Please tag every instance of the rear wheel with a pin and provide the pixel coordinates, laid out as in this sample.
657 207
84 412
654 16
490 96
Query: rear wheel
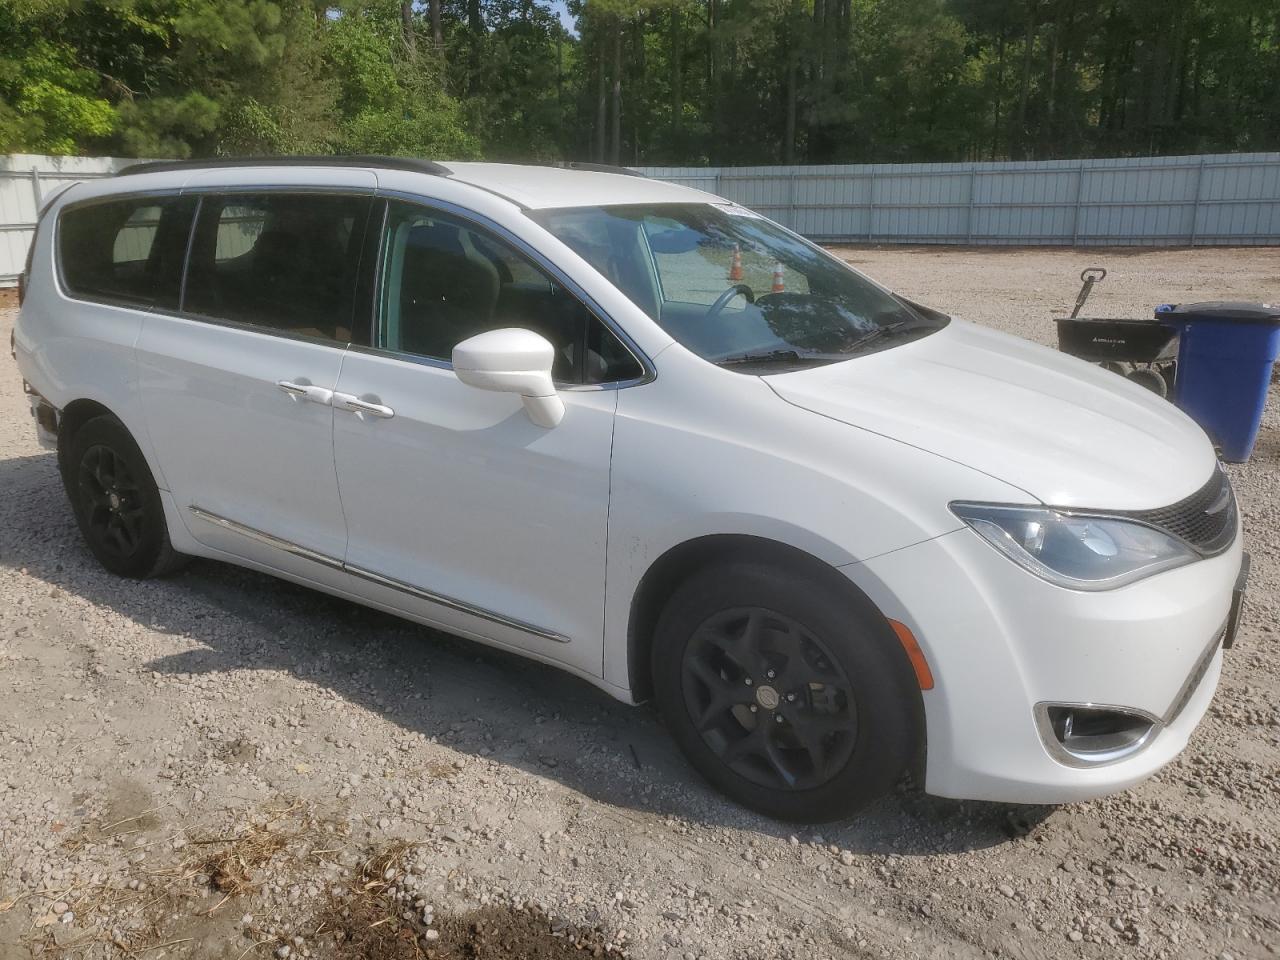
116 502
790 696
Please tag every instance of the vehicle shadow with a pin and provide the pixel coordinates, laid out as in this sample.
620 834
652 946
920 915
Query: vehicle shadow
472 698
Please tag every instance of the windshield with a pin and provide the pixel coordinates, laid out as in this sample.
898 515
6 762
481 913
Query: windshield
735 288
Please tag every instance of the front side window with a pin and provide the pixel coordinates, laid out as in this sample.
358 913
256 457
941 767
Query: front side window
444 280
734 288
288 263
126 251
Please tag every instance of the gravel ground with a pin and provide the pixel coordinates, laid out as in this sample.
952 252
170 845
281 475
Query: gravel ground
223 765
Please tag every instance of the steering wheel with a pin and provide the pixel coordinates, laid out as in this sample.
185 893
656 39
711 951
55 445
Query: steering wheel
722 301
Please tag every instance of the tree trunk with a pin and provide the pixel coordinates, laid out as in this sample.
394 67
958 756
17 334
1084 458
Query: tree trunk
615 150
794 37
1025 94
713 79
437 34
1176 73
995 120
475 19
1048 131
677 83
789 134
602 100
559 76
406 26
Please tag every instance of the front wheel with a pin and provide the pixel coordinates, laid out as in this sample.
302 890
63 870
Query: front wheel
790 695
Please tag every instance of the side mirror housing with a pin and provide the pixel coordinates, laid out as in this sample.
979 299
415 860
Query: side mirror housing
512 360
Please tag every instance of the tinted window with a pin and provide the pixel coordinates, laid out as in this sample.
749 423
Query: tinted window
126 251
444 281
286 262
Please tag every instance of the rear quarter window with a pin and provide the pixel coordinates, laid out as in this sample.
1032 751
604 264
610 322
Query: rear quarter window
128 251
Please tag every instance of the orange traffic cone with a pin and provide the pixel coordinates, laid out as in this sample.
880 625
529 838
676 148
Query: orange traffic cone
778 285
735 268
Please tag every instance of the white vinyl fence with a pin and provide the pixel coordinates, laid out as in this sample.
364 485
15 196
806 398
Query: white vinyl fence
25 181
1145 201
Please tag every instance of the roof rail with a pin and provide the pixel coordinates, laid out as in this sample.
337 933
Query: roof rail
387 163
598 168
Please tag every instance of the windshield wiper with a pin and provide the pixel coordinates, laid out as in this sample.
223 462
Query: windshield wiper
874 335
782 356
773 356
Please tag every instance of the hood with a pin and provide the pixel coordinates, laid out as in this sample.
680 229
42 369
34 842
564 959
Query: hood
1067 432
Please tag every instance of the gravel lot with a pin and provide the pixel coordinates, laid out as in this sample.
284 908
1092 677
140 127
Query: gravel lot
224 765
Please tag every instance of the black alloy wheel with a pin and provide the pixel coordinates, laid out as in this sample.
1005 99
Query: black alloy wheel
110 494
769 699
785 687
116 501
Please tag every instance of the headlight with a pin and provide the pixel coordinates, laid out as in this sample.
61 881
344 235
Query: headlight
1079 551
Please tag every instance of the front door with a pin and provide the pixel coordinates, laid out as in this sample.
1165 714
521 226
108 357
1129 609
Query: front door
236 386
461 510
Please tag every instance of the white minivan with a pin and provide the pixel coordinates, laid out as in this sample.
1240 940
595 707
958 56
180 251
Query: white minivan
648 436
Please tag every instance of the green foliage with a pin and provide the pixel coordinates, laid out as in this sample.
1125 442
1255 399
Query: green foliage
50 103
656 81
391 101
166 126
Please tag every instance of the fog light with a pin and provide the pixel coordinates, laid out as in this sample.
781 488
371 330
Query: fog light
1090 735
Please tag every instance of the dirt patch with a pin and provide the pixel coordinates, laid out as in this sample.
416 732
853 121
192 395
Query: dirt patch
373 911
364 932
130 809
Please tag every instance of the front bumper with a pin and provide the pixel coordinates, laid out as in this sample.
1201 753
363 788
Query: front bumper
1000 642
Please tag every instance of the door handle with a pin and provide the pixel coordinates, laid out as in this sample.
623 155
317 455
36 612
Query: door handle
345 401
303 390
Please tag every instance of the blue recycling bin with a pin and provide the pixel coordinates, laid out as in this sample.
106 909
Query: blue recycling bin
1225 354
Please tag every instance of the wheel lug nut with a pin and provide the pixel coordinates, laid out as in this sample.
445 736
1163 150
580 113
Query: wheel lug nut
748 681
754 708
771 674
777 718
791 698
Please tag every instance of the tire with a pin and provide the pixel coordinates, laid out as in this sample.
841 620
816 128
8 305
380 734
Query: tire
116 502
847 698
1152 379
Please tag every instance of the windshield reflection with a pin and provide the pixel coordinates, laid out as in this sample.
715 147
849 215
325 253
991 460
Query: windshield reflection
735 288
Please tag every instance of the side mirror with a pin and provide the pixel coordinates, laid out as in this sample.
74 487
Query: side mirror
512 360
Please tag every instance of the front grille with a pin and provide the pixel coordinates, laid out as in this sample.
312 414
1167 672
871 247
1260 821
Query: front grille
1206 519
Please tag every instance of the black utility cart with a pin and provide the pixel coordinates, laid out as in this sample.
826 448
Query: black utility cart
1145 351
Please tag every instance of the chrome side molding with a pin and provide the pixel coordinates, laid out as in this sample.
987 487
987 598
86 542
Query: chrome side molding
265 538
441 600
370 576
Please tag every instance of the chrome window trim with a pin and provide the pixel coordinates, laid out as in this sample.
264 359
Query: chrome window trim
55 249
559 275
199 192
239 189
333 563
400 355
438 364
340 345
